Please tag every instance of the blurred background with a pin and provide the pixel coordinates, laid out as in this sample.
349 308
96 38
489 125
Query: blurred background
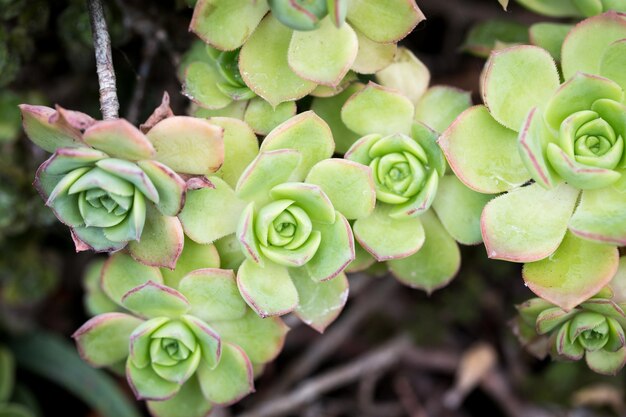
467 361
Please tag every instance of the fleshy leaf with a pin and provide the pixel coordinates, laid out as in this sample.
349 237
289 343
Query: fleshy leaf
517 79
576 271
606 363
418 270
335 252
231 380
170 187
221 218
194 256
103 340
268 170
406 74
121 273
161 240
246 236
384 21
555 8
45 133
509 234
213 294
308 49
320 302
267 289
188 145
309 197
613 63
534 138
94 238
577 174
120 139
483 153
155 300
226 24
388 238
585 45
188 402
147 385
264 67
261 339
600 216
549 36
201 86
263 118
372 56
308 134
459 209
240 148
209 341
440 105
349 186
378 110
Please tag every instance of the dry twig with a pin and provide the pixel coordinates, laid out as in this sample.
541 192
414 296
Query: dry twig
109 104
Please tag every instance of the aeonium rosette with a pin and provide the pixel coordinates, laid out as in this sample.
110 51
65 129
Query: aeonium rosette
115 186
313 43
569 140
408 169
595 329
185 337
287 218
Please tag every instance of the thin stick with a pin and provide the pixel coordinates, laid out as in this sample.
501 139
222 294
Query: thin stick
109 105
377 360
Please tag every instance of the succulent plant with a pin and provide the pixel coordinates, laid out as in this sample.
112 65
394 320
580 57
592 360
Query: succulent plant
394 131
299 35
573 8
211 79
557 150
116 186
283 218
593 330
186 337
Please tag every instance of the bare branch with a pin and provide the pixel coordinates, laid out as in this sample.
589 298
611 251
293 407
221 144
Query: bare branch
109 104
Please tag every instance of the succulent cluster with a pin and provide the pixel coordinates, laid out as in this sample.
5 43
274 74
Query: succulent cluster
213 235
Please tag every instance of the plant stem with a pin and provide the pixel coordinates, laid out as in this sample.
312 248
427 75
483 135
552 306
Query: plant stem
109 104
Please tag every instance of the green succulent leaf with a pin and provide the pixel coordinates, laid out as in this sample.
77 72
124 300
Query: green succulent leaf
188 402
48 130
517 79
226 24
320 303
268 289
121 273
169 186
418 270
188 145
375 109
459 209
550 318
482 153
309 197
488 35
613 62
606 363
103 340
567 347
371 56
213 294
576 271
308 48
148 385
440 105
263 117
306 133
201 85
226 208
261 339
335 252
389 238
194 256
154 300
549 36
264 67
585 45
348 185
384 21
510 236
230 380
119 139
